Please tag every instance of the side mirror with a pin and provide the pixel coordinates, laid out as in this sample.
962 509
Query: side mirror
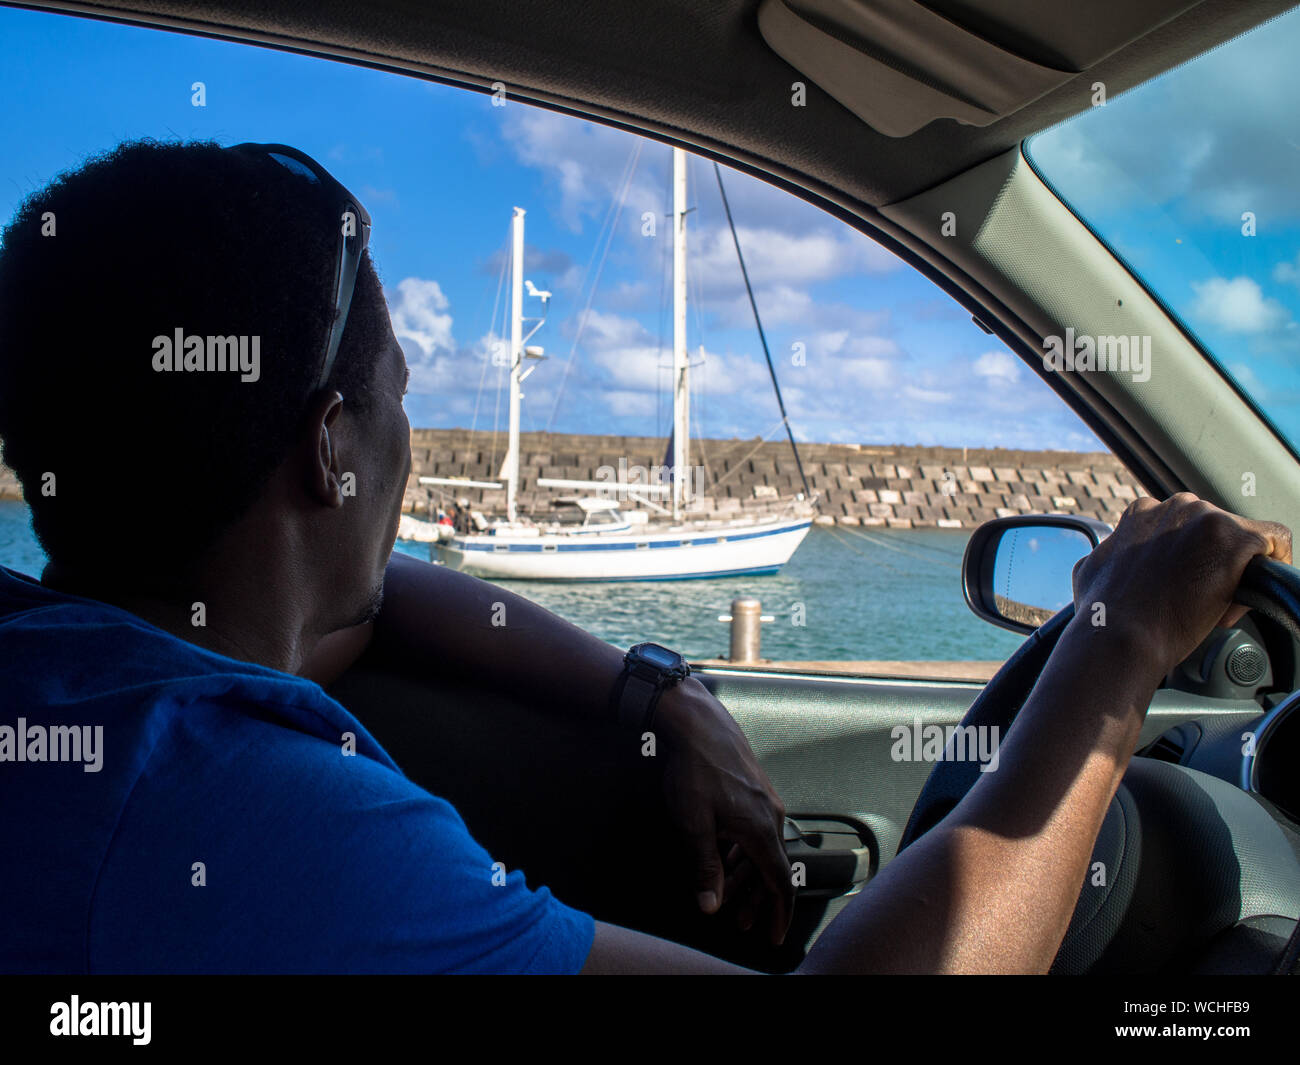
1017 571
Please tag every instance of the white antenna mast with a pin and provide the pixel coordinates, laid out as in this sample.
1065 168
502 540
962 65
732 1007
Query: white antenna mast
681 358
518 354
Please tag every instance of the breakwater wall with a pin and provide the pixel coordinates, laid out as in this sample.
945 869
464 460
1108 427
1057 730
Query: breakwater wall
882 485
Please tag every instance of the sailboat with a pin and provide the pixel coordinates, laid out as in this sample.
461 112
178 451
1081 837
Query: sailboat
603 543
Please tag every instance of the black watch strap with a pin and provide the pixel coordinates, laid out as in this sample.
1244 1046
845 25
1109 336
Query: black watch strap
648 669
637 697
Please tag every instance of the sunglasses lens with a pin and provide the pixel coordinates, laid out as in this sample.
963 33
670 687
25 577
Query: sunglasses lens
296 166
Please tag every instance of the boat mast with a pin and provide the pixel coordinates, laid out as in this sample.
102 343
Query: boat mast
681 359
510 467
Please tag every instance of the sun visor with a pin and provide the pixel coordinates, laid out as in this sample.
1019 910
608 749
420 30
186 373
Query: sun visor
899 64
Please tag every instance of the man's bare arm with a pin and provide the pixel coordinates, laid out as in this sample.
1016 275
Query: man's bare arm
992 887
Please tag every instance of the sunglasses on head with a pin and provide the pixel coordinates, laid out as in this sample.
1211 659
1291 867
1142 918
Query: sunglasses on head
353 237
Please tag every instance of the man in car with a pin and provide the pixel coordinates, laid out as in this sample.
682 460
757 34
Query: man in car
231 536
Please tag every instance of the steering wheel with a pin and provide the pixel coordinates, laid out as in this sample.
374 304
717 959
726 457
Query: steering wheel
1197 833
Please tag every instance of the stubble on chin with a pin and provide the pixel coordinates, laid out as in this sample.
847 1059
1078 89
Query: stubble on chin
370 611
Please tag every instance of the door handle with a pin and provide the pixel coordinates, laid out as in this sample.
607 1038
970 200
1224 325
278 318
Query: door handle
835 858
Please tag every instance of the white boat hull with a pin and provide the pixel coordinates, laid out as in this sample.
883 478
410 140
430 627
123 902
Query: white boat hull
674 553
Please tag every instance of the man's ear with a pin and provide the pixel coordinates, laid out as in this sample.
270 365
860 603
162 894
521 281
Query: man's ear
325 472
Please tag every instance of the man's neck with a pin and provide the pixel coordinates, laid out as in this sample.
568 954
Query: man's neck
246 612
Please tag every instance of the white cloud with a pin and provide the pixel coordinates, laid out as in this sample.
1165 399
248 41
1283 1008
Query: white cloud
585 161
1288 273
419 313
604 330
868 374
997 366
926 395
776 256
730 374
778 305
625 404
422 323
632 367
1236 306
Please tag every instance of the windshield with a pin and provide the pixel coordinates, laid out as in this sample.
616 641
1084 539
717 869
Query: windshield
1194 180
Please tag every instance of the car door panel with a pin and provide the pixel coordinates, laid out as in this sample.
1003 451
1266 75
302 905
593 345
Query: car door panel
577 807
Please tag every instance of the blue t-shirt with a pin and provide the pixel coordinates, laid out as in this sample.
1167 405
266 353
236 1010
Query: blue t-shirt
167 809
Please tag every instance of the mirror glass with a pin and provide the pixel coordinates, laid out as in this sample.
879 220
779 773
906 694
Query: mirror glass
1032 571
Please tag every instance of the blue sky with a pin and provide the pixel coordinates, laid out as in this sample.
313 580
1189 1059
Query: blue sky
1167 173
889 358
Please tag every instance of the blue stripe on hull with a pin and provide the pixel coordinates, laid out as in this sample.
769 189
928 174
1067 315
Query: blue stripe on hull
757 571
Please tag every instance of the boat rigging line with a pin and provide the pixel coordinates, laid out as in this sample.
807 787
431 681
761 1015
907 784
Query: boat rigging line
487 359
752 451
945 552
839 535
894 547
785 418
608 228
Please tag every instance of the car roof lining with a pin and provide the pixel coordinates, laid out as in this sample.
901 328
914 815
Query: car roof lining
703 74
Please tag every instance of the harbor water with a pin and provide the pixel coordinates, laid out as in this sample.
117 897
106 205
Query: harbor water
847 594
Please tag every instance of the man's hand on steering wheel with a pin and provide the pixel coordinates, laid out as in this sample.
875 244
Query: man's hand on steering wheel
1167 575
720 798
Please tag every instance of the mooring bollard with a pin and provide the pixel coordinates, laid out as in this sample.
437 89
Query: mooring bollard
746 619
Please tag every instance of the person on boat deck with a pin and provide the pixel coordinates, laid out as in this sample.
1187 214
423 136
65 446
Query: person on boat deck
238 819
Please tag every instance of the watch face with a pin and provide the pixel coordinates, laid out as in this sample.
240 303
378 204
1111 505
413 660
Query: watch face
660 657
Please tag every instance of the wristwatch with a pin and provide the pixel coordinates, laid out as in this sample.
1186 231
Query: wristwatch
648 671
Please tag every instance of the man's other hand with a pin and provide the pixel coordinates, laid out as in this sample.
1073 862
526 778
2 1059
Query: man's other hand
719 796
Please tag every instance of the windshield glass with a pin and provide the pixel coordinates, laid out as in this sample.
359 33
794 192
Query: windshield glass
1194 180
